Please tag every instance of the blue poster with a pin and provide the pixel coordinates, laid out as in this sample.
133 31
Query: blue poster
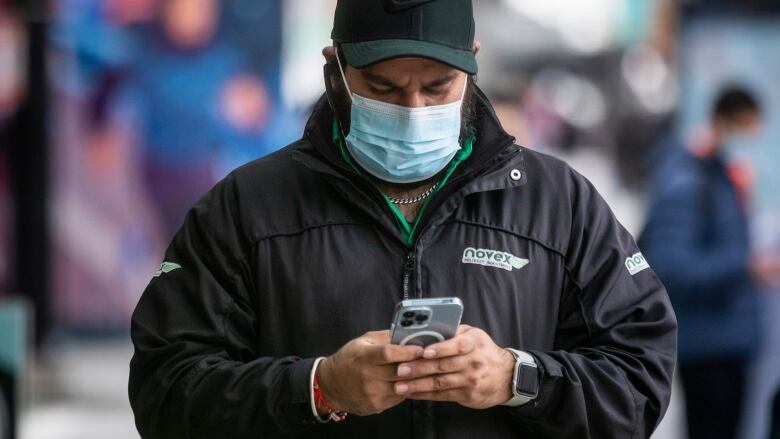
154 102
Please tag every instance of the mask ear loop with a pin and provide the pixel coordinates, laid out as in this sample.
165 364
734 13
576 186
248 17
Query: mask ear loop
344 77
344 80
465 87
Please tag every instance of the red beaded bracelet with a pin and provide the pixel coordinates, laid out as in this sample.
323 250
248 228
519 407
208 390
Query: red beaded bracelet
321 402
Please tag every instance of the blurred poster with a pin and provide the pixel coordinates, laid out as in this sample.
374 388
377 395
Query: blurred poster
155 101
720 52
744 51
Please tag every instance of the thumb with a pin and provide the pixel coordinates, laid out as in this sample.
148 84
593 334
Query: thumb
377 337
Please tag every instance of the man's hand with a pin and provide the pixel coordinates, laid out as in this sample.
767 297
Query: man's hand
469 369
359 377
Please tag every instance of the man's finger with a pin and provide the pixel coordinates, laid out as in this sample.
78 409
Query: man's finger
421 368
463 328
455 395
377 337
434 383
387 373
459 345
391 354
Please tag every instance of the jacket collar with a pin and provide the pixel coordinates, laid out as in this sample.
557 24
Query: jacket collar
494 160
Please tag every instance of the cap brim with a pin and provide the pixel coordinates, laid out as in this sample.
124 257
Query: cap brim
363 54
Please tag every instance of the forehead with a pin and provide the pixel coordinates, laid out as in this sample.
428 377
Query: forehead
422 68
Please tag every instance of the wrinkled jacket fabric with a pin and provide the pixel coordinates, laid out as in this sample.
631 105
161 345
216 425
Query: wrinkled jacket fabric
295 254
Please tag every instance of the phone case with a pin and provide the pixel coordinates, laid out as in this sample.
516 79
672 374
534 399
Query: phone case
423 322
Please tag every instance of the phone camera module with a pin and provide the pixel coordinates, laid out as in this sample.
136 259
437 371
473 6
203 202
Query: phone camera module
408 314
421 318
406 323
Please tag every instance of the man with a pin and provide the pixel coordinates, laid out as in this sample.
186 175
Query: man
697 239
253 326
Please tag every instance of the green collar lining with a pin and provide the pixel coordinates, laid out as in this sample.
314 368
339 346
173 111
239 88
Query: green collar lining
409 231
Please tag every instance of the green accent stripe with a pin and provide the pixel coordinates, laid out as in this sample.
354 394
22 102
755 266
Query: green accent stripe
409 232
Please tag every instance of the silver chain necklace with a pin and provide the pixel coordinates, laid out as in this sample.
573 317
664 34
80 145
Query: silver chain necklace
415 200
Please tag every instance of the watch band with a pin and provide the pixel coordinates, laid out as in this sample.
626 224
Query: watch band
522 360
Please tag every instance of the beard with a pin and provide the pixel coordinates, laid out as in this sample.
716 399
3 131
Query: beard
341 104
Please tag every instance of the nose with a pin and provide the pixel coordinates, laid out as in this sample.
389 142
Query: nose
413 99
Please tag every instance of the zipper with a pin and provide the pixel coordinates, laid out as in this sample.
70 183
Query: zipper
406 284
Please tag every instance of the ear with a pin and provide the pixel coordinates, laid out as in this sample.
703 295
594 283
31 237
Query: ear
329 53
476 47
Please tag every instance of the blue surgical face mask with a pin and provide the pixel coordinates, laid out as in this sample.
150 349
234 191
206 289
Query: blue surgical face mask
400 144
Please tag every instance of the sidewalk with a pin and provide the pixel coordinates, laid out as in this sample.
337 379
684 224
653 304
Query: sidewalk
79 391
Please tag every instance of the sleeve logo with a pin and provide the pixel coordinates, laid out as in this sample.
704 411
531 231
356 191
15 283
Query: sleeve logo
636 263
166 267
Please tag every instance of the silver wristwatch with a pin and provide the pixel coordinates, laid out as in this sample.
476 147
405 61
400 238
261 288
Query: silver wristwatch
525 380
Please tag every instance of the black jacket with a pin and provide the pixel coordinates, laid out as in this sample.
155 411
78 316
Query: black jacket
293 255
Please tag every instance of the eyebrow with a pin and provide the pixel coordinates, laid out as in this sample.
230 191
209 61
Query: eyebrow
381 80
443 80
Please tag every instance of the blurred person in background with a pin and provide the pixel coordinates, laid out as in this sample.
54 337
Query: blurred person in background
153 101
197 102
698 241
251 327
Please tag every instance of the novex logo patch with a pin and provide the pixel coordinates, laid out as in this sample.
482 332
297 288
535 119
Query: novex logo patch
493 258
636 263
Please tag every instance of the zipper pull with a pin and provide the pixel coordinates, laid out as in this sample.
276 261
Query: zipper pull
406 285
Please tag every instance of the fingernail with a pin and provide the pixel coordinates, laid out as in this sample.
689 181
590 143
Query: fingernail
404 370
429 353
401 388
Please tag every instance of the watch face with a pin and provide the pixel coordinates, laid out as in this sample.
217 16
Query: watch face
527 380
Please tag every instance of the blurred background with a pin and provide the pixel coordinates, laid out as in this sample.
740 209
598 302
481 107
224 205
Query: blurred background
116 115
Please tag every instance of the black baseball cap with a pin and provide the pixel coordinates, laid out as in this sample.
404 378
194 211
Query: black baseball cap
370 31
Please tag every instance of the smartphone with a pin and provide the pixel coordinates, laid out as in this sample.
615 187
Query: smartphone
423 322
